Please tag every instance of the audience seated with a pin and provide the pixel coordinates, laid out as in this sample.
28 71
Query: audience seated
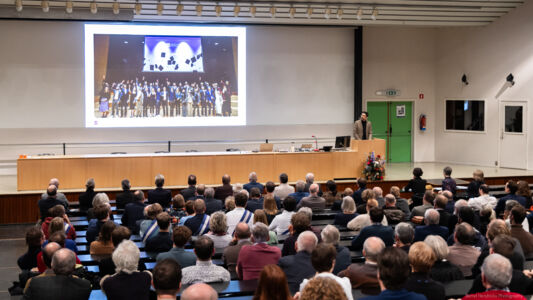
59 196
239 214
404 235
348 212
298 267
86 198
270 187
189 212
122 199
323 260
525 191
322 288
466 214
432 227
148 227
49 201
180 237
385 233
160 242
496 274
463 253
393 214
365 196
331 235
225 190
509 205
45 258
106 265
58 211
280 223
166 279
362 221
442 270
417 214
357 195
300 192
483 200
255 201
417 186
421 259
300 222
378 195
231 253
212 205
517 216
34 239
441 201
134 212
57 226
270 208
200 192
309 180
219 230
254 257
101 213
199 224
272 284
59 238
473 187
103 245
160 195
189 193
260 216
177 208
284 189
313 201
61 285
510 188
401 203
365 276
253 183
333 198
199 291
127 282
204 270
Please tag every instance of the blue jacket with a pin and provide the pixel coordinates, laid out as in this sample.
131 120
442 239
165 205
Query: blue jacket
385 233
500 207
396 295
421 232
253 184
299 196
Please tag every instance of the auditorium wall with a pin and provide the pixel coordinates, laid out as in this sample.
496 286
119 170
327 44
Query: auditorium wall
299 83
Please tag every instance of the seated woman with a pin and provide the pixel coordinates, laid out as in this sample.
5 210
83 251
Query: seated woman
229 204
347 214
260 216
34 239
56 237
57 225
127 282
272 285
417 186
270 207
177 209
421 259
442 270
218 230
333 198
103 245
106 265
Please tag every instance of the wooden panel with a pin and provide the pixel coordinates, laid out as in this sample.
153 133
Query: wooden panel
110 171
34 174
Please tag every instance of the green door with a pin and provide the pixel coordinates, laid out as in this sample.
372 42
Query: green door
391 121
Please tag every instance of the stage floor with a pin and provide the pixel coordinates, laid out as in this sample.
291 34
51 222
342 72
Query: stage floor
394 171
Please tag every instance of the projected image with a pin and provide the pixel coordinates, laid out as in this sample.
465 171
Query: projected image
164 76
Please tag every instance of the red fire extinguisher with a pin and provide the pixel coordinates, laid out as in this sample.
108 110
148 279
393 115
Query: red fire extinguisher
422 122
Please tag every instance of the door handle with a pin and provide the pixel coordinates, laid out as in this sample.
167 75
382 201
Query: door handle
390 129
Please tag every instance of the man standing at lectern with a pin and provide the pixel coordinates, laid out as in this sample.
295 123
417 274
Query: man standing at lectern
362 128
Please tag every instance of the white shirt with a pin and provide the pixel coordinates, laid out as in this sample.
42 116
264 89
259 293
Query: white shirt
220 241
361 221
478 203
281 222
283 190
344 282
234 217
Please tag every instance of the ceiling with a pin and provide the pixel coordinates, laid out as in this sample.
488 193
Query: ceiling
438 13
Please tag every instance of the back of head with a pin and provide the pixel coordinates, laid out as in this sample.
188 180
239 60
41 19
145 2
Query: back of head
378 192
300 222
241 199
464 233
322 288
289 204
269 205
199 206
504 245
510 204
126 257
421 257
523 189
299 186
272 284
209 193
163 220
308 211
255 193
466 214
242 231
153 210
348 204
101 212
260 216
270 186
283 178
237 187
390 200
138 196
34 236
438 245
361 182
512 186
189 207
367 194
178 202
441 201
310 178
57 224
199 291
260 232
497 227
372 247
395 191
429 197
313 189
478 175
393 268
57 211
51 191
447 171
181 236
405 233
330 234
431 217
159 180
417 172
323 257
125 185
191 180
100 199
200 189
119 234
252 177
226 179
518 213
484 188
58 237
48 253
332 186
497 271
376 215
63 262
204 247
218 223
166 277
307 241
229 203
106 231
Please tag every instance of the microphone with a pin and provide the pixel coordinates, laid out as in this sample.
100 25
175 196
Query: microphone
316 142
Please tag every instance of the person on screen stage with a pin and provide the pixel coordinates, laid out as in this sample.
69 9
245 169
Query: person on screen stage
157 101
164 100
217 93
124 99
116 100
203 100
179 99
362 128
172 99
226 96
196 102
139 102
105 95
208 100
152 100
133 97
146 93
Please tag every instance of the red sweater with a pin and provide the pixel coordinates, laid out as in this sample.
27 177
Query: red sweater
494 295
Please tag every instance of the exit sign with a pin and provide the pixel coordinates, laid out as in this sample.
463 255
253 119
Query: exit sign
388 93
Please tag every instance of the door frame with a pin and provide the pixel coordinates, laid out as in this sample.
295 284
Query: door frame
500 128
413 118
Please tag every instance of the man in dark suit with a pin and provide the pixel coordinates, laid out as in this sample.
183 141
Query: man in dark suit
61 285
161 242
511 187
200 190
211 203
47 203
199 224
362 128
255 200
86 198
298 267
189 193
432 227
225 190
299 194
314 201
361 183
160 195
309 180
517 216
253 183
134 212
385 233
126 196
441 202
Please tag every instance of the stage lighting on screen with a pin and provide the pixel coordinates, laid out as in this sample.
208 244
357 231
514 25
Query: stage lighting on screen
159 76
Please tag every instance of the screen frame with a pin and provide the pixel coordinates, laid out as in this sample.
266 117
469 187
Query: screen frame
91 29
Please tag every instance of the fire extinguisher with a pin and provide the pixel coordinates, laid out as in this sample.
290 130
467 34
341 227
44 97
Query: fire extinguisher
422 122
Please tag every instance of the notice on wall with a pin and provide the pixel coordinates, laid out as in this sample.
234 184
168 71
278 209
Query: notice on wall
400 111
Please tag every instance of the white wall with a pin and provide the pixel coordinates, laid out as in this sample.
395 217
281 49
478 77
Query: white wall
486 55
299 82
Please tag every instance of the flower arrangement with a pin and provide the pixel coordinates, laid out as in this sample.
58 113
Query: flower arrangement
374 168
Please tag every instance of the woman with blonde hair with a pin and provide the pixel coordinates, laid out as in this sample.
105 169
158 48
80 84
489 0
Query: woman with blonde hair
473 186
218 228
260 216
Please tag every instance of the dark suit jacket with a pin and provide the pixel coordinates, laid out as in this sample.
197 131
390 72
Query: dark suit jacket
357 196
444 218
254 204
385 233
230 256
161 242
343 259
500 206
189 193
124 198
363 277
212 205
422 284
421 232
525 238
297 268
58 287
132 213
86 199
418 187
223 191
161 196
46 204
253 184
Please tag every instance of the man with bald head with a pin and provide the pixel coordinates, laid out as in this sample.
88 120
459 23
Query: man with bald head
298 267
62 285
49 201
313 201
365 276
199 291
60 196
241 237
462 253
432 227
225 190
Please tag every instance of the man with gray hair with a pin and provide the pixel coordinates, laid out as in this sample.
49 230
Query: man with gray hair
393 214
365 276
49 201
211 204
331 235
59 196
314 201
199 291
378 195
298 267
160 195
86 198
253 258
404 235
62 285
253 183
126 196
496 274
300 192
309 180
432 227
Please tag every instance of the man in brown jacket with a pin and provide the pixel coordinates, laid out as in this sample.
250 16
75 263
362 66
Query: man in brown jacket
362 128
517 216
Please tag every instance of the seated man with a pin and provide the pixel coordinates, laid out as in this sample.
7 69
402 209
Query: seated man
404 234
166 279
239 214
255 201
148 227
189 193
102 215
160 242
225 190
483 200
160 195
122 199
393 214
314 201
280 223
418 212
211 204
134 212
284 189
49 201
231 253
253 183
462 253
204 270
421 259
199 291
385 233
298 267
431 218
253 258
58 211
181 236
331 235
300 191
59 196
441 202
365 276
517 216
511 188
363 220
393 271
62 285
199 224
